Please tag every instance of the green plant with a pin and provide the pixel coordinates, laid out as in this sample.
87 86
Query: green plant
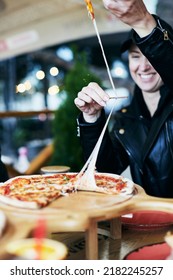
67 149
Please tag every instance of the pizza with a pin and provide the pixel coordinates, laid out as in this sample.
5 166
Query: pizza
37 191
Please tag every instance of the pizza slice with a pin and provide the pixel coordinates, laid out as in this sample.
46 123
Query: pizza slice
31 192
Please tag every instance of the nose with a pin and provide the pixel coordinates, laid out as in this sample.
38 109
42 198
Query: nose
144 64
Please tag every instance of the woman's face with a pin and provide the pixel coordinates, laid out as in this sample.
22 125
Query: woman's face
142 72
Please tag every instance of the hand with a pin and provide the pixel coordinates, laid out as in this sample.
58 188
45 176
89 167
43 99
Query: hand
134 13
90 100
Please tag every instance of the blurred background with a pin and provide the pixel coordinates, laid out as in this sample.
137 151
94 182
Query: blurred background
48 51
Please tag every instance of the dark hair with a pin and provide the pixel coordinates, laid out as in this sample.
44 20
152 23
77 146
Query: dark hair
127 43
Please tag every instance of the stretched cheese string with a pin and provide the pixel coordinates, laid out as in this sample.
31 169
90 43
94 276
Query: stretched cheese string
86 175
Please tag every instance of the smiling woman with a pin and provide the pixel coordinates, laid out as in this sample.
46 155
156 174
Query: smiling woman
21 70
152 95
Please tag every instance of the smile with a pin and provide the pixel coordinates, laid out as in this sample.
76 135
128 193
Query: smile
146 76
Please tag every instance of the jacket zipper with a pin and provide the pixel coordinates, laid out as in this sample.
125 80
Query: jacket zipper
165 32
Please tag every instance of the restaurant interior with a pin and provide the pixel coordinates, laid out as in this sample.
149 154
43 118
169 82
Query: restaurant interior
41 44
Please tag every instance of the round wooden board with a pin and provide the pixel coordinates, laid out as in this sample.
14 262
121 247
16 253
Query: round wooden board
75 204
91 203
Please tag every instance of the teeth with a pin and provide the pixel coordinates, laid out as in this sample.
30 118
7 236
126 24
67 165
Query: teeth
146 76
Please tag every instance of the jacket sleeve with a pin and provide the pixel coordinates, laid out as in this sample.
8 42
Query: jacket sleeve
112 158
158 48
3 173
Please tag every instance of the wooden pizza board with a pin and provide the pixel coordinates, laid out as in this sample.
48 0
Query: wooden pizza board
77 206
73 205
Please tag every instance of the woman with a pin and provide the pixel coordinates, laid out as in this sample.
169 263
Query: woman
142 135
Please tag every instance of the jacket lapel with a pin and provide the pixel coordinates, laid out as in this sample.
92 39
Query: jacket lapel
155 129
132 139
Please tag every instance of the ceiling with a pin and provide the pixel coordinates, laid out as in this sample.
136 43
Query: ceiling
28 25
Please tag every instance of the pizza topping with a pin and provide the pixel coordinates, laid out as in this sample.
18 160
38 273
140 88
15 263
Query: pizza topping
7 190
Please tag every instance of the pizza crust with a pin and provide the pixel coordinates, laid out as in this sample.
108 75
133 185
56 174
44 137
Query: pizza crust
18 203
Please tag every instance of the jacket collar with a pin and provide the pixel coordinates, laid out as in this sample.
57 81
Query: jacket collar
157 123
138 107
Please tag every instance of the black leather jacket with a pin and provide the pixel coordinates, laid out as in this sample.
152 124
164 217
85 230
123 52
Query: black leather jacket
137 140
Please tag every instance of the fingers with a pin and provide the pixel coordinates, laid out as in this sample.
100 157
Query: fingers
79 102
93 92
90 100
134 13
108 4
